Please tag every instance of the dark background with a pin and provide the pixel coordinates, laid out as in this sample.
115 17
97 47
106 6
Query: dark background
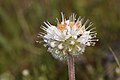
20 22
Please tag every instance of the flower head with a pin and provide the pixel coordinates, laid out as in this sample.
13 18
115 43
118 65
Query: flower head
68 36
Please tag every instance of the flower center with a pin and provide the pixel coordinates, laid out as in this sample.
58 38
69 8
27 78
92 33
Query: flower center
61 26
71 24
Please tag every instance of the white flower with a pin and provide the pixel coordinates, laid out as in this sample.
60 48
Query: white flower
68 36
25 72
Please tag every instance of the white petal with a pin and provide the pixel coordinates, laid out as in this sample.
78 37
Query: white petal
60 46
53 44
84 38
88 43
68 29
81 40
72 42
67 37
75 37
67 22
48 36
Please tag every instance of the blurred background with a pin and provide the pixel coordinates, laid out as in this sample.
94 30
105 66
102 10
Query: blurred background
21 58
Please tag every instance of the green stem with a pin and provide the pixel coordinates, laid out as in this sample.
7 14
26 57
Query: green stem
116 59
71 68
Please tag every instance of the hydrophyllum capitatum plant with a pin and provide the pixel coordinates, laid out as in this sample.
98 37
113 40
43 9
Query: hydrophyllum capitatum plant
68 39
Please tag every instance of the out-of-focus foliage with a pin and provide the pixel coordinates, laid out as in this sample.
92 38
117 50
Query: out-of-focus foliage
19 24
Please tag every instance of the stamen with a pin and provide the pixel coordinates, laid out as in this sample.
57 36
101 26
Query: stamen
49 23
73 17
78 48
45 45
57 21
77 22
78 19
93 36
86 22
93 43
62 17
92 32
94 40
92 29
39 42
45 40
81 21
41 35
46 24
43 28
70 18
89 26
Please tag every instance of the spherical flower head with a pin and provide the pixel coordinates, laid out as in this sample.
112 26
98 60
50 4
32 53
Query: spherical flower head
68 36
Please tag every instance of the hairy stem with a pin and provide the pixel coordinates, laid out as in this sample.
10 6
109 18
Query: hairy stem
71 68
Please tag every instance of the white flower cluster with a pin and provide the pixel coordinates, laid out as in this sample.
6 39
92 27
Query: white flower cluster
69 36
